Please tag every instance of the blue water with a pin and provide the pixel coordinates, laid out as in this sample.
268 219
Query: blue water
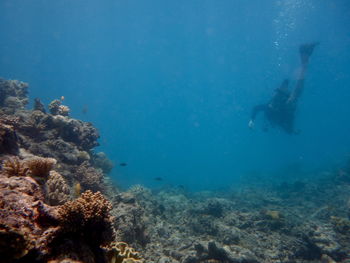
171 84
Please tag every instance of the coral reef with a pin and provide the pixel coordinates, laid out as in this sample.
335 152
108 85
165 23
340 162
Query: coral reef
45 216
8 137
13 95
22 216
40 167
39 106
13 166
89 177
56 189
100 160
120 252
32 231
56 108
88 216
38 222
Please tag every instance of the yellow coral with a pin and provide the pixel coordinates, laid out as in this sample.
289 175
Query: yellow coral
77 190
120 252
273 214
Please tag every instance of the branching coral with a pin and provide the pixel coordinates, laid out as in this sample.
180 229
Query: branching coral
88 216
56 108
13 166
57 190
40 167
89 177
120 252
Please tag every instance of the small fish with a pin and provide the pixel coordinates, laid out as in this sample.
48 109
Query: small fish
158 178
123 164
62 98
84 110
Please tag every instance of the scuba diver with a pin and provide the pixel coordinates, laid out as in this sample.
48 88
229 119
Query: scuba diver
280 110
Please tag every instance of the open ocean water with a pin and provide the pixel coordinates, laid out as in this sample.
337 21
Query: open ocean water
171 84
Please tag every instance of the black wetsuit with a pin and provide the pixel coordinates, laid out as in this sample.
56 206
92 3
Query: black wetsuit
280 111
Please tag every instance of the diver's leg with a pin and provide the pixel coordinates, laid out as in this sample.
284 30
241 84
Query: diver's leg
305 52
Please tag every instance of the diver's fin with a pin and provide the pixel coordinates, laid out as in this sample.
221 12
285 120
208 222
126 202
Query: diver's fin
306 50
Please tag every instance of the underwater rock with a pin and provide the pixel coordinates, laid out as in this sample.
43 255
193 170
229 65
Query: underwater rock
38 105
231 254
13 95
100 160
21 216
324 238
129 221
8 136
82 134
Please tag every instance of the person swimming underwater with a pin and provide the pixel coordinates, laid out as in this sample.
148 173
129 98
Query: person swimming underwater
280 110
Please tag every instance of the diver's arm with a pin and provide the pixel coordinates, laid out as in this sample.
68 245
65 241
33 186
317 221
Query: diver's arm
255 111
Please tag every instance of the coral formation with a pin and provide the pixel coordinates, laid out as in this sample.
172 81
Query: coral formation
56 189
89 177
20 227
8 137
13 95
100 160
40 167
302 221
88 216
120 252
38 105
13 166
56 108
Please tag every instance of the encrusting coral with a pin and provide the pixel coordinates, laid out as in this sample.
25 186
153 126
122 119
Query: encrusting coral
89 216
